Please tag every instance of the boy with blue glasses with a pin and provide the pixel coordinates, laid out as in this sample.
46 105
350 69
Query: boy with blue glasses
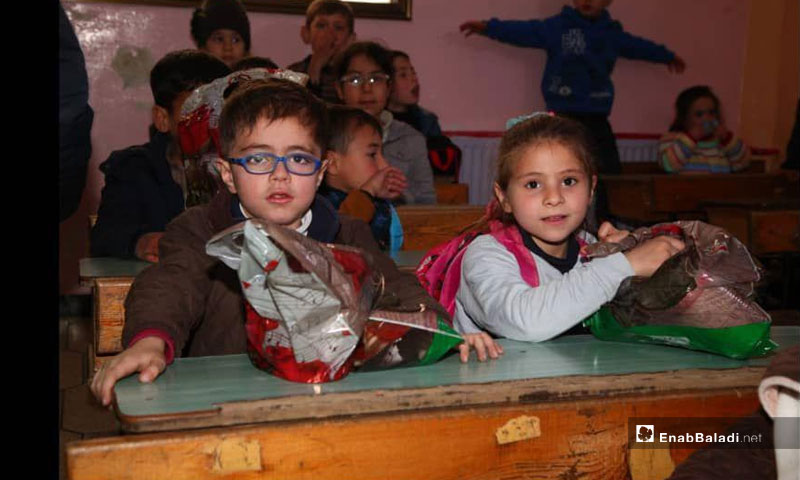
272 135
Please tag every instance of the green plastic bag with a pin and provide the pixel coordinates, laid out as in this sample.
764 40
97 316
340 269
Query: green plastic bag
701 299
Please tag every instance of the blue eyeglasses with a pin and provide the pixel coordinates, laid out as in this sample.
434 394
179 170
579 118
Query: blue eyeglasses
298 163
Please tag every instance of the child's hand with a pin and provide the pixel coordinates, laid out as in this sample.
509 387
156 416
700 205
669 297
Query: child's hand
609 233
677 65
389 183
147 246
647 257
482 343
145 356
472 26
323 49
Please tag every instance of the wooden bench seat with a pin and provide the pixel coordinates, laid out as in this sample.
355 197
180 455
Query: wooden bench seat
425 226
767 225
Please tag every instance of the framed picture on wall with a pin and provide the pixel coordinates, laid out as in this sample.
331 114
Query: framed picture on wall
387 9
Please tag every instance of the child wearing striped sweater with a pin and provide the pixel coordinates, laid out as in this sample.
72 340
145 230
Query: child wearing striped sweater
698 141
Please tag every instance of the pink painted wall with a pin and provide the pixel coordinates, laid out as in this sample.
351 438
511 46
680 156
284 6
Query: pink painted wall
473 83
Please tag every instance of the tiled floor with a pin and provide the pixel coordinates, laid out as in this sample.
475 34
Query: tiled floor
81 416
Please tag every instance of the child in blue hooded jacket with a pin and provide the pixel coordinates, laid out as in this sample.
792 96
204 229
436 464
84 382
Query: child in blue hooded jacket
582 45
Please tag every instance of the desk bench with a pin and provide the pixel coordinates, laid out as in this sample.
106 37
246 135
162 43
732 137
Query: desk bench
425 226
110 280
664 197
767 225
572 398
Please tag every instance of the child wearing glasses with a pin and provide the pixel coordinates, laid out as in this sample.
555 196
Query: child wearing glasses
359 181
272 134
365 70
145 184
698 141
329 28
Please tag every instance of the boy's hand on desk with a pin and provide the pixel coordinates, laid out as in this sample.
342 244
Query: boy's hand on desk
472 26
609 233
145 356
389 183
147 246
482 343
677 65
647 257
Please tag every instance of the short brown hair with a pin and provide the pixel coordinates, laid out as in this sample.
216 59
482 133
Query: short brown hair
271 99
330 7
344 121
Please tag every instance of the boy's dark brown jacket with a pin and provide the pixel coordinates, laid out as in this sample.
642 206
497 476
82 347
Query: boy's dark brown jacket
197 300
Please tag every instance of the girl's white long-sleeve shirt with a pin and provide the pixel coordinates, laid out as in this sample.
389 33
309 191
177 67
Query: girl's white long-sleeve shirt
493 296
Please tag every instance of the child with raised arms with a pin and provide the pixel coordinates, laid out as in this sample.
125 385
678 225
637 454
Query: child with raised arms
525 281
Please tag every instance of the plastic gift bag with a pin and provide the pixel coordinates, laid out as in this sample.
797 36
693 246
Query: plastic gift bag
309 315
701 298
198 128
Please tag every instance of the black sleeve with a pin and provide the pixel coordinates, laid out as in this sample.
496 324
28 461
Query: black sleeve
75 118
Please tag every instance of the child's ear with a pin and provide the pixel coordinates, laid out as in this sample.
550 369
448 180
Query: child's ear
332 160
322 169
225 173
305 34
161 119
594 188
502 199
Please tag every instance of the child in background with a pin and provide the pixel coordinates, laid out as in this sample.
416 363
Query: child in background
582 45
145 184
272 133
697 141
359 181
329 29
404 105
254 62
525 280
221 28
364 71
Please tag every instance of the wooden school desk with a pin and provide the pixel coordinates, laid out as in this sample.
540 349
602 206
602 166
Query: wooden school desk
425 226
663 197
566 402
764 225
111 278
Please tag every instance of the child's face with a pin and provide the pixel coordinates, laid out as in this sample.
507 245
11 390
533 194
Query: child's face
368 96
330 31
362 160
279 197
702 114
548 194
405 85
227 45
591 8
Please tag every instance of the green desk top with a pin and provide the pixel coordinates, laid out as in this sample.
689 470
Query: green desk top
101 267
106 267
202 383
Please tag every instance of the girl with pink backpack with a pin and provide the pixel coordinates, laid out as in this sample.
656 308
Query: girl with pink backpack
519 273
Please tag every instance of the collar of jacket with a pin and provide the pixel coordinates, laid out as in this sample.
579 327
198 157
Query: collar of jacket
575 17
224 211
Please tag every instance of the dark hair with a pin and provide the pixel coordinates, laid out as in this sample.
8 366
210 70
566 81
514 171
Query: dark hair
684 103
538 130
271 99
330 7
183 71
394 54
254 62
218 14
374 51
344 121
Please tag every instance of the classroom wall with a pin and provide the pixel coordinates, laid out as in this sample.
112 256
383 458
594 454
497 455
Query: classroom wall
472 83
771 75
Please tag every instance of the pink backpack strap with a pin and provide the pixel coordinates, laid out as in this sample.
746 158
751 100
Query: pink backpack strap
509 237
